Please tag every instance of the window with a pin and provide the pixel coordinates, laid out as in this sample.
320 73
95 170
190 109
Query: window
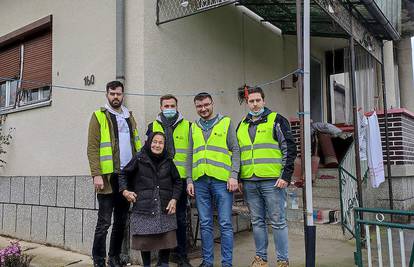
26 71
8 94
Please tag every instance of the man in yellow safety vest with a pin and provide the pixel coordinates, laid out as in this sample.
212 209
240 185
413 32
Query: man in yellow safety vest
176 129
112 141
267 154
213 165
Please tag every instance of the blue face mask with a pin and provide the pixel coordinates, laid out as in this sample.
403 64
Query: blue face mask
169 113
256 114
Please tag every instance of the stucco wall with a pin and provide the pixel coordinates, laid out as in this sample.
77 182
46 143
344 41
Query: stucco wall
205 52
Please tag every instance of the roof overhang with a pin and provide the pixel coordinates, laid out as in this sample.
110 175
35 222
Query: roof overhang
363 20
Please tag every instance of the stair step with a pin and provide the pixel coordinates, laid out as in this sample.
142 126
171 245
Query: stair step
317 191
331 231
323 203
333 183
328 171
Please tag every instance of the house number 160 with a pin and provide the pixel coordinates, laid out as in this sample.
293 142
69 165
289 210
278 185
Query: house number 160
89 80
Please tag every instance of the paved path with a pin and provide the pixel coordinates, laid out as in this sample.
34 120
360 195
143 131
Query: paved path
329 253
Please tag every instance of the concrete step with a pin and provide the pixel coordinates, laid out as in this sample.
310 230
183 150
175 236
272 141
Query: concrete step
331 183
318 191
323 203
331 231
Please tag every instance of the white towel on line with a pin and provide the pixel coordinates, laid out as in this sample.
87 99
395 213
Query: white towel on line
374 149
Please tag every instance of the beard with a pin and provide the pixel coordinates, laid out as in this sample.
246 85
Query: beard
115 103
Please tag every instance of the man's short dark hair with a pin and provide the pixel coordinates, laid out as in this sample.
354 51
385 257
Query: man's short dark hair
252 90
166 97
202 96
113 85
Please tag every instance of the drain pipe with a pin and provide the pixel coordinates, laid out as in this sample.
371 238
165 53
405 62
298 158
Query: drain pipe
120 40
376 12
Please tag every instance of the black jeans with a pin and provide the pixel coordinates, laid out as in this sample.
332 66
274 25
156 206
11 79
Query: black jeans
181 214
110 203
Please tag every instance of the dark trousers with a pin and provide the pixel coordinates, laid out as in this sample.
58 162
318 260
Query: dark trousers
110 203
181 214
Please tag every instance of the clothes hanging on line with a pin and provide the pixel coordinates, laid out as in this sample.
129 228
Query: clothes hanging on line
374 152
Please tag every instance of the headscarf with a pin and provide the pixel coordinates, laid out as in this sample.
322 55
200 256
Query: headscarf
156 158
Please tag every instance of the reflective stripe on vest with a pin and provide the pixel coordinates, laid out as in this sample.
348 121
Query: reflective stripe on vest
213 157
105 147
263 157
181 144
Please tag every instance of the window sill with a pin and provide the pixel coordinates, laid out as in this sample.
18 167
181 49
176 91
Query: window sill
26 107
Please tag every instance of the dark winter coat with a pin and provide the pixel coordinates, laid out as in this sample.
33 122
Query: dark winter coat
142 176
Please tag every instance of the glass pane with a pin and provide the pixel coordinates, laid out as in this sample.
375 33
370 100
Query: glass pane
13 89
45 93
2 95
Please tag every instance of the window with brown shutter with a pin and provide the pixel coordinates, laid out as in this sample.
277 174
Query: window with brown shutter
26 65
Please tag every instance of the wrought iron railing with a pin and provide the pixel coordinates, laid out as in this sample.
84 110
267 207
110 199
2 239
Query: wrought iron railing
170 10
348 188
381 248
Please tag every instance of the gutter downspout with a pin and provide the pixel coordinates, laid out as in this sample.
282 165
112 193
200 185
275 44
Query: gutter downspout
376 12
120 40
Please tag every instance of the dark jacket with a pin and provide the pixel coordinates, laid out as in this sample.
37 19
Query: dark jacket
143 177
282 134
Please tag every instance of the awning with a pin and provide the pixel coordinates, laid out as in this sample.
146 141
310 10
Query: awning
368 21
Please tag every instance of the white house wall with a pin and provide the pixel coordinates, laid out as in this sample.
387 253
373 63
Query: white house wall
204 52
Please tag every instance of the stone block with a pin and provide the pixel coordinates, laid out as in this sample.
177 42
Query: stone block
17 190
1 218
89 223
23 221
39 221
9 219
66 192
55 226
73 229
32 190
48 186
5 189
84 193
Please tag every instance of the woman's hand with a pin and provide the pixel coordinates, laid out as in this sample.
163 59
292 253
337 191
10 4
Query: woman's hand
171 206
129 195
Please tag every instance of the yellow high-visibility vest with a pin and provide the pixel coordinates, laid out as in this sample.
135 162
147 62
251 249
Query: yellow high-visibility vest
213 157
105 149
263 157
181 143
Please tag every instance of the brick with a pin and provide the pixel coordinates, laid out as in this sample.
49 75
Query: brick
23 221
32 190
39 221
17 190
66 192
9 219
55 226
5 189
73 228
89 223
84 193
48 186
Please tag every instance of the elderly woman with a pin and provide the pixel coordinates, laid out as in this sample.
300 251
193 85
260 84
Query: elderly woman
151 181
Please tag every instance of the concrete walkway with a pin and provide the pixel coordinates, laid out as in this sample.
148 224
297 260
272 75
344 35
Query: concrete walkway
329 253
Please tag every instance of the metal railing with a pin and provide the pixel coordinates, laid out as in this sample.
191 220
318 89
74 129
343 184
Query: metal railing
348 188
384 232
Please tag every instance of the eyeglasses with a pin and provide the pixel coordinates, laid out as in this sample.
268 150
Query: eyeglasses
206 105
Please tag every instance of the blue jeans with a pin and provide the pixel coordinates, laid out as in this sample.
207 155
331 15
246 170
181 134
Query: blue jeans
210 192
264 199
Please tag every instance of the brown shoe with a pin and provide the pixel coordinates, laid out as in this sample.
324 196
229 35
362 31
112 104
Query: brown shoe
282 264
259 262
